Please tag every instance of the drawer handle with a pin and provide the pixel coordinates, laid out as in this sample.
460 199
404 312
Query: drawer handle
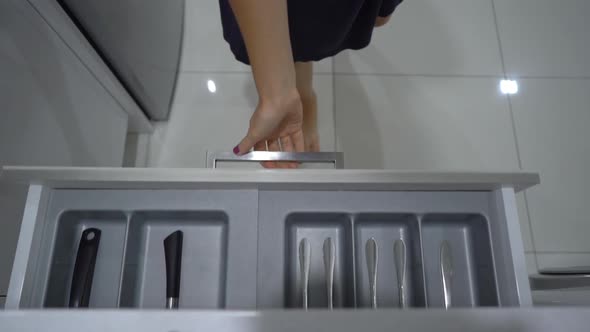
337 158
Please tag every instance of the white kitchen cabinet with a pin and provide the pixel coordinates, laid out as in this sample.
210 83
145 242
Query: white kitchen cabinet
53 111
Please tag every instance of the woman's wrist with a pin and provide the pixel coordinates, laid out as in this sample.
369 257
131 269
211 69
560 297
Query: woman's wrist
276 91
277 99
275 79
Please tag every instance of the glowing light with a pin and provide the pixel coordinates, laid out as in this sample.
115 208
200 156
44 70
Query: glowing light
509 87
211 86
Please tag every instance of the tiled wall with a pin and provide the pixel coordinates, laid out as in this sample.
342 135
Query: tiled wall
425 95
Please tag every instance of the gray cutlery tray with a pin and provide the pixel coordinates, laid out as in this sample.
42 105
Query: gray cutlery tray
219 247
140 257
240 247
204 232
483 274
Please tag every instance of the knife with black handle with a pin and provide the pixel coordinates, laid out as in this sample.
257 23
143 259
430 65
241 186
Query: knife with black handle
173 255
84 268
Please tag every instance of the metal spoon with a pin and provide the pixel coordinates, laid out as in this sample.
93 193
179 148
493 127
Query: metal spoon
304 262
446 270
329 263
372 259
399 254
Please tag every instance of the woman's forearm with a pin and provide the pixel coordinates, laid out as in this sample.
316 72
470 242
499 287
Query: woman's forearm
265 29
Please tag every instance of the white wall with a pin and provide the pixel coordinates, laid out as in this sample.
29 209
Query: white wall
424 95
52 112
434 103
551 116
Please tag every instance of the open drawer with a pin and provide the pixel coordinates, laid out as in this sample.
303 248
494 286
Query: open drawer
272 239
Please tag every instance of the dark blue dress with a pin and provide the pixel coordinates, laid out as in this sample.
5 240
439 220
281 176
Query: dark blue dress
318 28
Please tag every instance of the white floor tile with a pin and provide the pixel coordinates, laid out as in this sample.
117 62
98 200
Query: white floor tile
205 50
201 120
431 37
547 261
423 123
552 118
545 37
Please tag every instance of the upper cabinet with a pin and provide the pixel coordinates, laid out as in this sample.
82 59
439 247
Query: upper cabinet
140 40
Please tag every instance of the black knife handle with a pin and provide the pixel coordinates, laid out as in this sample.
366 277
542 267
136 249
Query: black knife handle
84 268
173 253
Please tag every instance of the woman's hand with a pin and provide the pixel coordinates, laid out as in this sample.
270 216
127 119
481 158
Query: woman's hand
278 117
276 123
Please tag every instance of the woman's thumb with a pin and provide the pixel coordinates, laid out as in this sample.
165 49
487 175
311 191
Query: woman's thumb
245 145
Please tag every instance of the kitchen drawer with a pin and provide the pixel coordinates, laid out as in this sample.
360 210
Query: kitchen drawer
273 239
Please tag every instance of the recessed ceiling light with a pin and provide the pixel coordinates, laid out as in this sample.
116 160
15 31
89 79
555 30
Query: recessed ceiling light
211 86
509 87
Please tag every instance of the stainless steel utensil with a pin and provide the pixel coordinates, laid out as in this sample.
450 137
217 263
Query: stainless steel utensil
372 260
304 263
329 263
446 270
399 254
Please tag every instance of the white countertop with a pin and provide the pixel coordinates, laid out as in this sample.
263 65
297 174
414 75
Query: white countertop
305 179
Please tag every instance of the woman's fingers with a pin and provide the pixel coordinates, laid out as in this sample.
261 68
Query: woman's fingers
312 146
274 119
287 145
246 144
273 145
261 146
298 141
293 143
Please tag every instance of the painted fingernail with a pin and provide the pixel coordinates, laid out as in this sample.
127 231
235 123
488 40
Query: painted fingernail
237 149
